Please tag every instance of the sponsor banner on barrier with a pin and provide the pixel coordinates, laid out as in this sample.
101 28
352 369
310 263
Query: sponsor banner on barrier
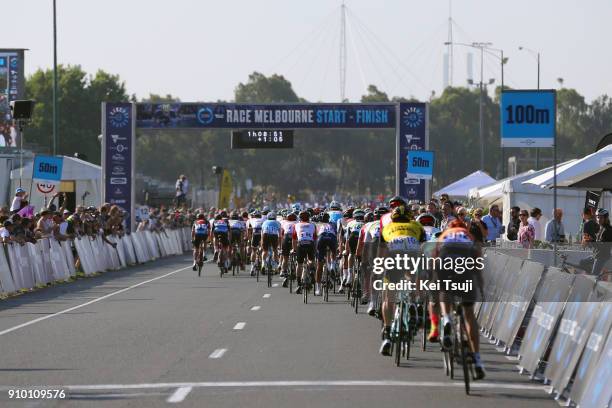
597 390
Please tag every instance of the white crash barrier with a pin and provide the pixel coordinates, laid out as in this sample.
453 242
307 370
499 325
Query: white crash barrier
24 267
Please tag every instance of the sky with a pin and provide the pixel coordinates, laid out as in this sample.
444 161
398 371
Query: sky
199 50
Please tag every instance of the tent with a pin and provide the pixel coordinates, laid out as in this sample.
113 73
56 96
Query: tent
461 188
492 193
573 168
78 177
599 179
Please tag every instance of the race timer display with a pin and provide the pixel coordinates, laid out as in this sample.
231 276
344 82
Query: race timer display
262 139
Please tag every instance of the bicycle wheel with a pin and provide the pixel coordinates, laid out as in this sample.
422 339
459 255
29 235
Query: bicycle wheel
327 283
305 285
257 270
269 271
399 335
425 327
357 293
464 351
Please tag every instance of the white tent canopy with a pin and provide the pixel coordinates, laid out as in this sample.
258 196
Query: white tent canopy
494 191
574 168
461 188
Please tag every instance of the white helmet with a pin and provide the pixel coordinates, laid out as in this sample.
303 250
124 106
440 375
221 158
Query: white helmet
271 215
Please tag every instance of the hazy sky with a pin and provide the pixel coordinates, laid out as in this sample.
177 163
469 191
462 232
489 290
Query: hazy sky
199 50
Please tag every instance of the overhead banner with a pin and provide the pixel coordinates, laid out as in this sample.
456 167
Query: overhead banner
278 116
226 190
528 118
412 134
118 156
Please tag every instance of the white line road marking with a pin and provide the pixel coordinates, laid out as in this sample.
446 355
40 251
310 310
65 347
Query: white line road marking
179 395
239 325
267 295
40 319
238 384
218 353
275 285
512 358
256 308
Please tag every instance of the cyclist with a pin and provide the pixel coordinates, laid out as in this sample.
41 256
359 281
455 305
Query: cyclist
237 230
303 243
353 228
456 242
347 216
199 235
428 222
220 231
254 238
270 237
367 249
401 235
327 245
335 212
287 227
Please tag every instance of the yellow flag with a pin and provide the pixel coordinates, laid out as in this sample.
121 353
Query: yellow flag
226 190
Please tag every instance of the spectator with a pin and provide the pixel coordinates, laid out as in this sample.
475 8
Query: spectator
589 226
526 231
20 194
181 190
6 231
555 232
27 210
478 228
45 223
494 223
534 220
447 214
514 224
603 241
432 208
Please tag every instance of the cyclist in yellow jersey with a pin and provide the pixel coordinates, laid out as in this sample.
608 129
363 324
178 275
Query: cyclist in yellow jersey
400 236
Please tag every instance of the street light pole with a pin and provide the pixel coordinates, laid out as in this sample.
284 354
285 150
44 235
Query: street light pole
55 113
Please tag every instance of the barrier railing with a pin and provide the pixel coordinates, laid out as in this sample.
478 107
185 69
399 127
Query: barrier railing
558 324
24 267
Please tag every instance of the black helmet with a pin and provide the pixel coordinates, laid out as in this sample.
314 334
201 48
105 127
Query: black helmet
201 216
348 213
325 217
369 216
292 216
380 210
395 201
304 216
359 214
235 216
335 206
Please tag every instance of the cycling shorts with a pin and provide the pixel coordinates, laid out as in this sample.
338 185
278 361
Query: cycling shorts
324 244
256 240
223 238
305 250
236 235
197 241
269 240
353 239
286 245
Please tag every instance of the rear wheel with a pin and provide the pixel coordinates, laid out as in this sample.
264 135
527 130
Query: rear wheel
464 354
399 335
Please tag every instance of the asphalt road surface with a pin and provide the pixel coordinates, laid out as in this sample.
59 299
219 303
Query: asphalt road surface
156 335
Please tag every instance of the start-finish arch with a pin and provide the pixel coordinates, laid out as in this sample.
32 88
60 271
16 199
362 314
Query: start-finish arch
120 121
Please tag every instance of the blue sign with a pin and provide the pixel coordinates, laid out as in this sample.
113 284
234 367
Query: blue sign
420 164
412 134
47 168
528 118
278 116
118 157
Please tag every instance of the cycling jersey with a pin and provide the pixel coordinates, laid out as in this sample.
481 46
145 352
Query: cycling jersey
403 235
237 225
305 232
353 228
326 229
200 227
430 232
334 216
220 227
255 224
370 232
271 227
287 227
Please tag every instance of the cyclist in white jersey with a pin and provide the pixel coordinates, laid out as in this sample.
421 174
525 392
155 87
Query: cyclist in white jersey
254 238
237 234
327 245
304 237
287 227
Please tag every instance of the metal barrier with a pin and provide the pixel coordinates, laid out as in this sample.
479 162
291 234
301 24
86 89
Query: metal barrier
560 324
24 267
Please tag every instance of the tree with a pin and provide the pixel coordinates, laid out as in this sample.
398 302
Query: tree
262 89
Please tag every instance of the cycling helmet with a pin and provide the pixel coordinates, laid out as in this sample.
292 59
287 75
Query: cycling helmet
324 217
235 216
217 217
602 212
201 216
223 214
271 215
304 216
348 213
400 213
256 214
266 209
315 218
292 217
457 223
396 201
310 211
296 207
426 219
359 214
380 210
369 216
335 206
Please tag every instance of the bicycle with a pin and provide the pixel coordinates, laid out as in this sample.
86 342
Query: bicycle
356 287
307 281
268 266
403 327
236 260
292 270
460 350
200 257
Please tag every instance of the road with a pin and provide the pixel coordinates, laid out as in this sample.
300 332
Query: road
156 335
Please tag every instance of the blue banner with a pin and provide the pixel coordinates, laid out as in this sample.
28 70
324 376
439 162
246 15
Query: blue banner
118 154
528 118
412 133
277 116
420 164
48 168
